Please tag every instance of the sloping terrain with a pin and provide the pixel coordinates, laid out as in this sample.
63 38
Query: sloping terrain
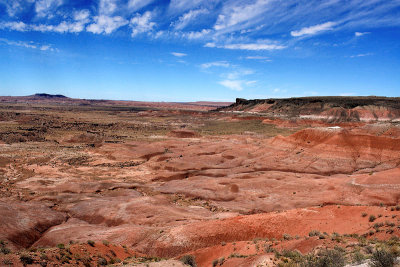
78 182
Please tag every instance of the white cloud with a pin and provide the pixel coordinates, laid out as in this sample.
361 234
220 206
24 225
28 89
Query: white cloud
223 64
196 35
186 18
134 5
248 46
312 30
236 85
15 26
107 7
177 54
142 23
106 24
81 15
358 34
44 8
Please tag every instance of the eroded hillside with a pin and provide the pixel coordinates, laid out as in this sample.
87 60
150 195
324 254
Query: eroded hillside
81 185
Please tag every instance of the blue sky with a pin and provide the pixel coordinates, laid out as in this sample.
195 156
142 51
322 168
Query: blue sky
187 50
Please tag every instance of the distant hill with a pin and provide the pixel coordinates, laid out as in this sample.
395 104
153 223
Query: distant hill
58 99
329 108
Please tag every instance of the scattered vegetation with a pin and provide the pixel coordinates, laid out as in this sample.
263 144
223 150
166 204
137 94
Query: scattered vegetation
3 247
26 259
189 260
372 218
91 243
383 258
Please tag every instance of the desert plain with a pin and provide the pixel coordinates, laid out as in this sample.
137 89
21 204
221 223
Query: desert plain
255 183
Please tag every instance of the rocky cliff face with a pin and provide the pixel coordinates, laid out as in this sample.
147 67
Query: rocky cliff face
329 108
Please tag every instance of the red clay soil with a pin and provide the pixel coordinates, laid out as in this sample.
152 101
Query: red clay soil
177 192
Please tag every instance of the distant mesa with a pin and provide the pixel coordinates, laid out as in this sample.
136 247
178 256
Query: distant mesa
49 96
330 108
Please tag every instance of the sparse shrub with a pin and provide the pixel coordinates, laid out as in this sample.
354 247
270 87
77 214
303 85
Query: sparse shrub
398 208
5 250
382 258
287 237
331 258
91 243
61 246
379 215
102 261
336 237
189 260
326 258
215 262
223 243
106 243
294 255
7 262
357 257
372 218
314 233
390 224
26 259
364 214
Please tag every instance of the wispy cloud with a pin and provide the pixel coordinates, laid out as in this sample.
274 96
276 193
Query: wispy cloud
223 64
186 18
312 30
30 45
361 55
135 5
177 54
256 57
359 34
239 13
248 46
